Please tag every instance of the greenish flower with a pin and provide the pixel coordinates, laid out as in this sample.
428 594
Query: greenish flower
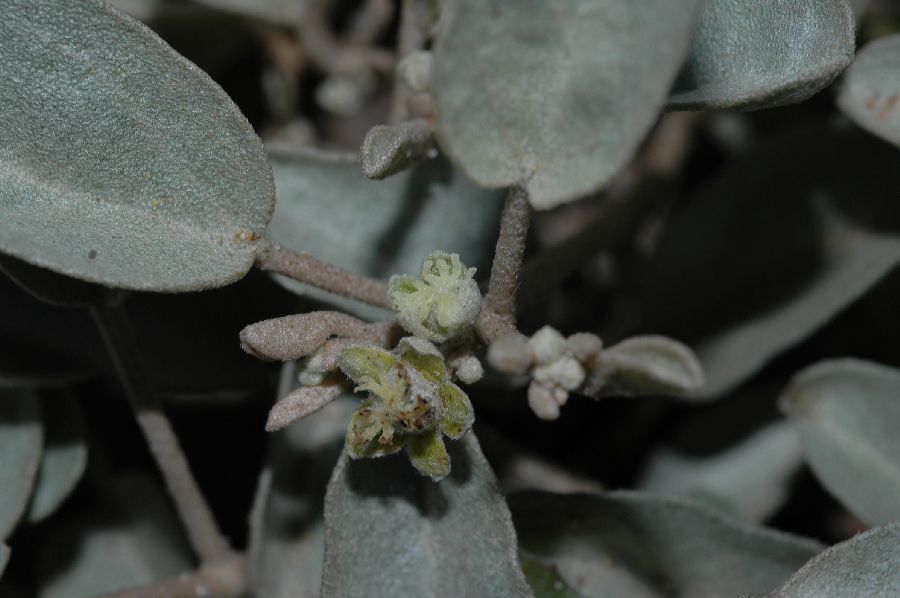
442 303
412 404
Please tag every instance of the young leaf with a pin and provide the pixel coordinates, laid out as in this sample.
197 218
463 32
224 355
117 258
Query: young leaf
554 96
635 544
132 540
64 458
865 565
326 205
645 365
774 248
154 179
419 535
847 412
749 54
21 441
870 93
388 149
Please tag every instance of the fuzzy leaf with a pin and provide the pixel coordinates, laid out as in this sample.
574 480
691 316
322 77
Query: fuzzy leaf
865 565
419 535
389 149
870 93
638 545
299 404
647 365
774 248
112 126
749 54
847 412
21 442
749 478
64 458
120 543
328 207
287 537
554 96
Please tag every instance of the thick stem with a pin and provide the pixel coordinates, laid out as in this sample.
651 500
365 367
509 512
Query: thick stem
227 579
306 268
514 222
203 533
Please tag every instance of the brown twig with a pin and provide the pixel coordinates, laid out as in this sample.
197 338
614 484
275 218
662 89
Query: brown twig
226 579
203 533
306 268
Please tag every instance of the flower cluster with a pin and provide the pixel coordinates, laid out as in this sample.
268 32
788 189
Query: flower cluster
412 404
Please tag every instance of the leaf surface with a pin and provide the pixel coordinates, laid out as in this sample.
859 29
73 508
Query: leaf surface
21 444
870 93
123 163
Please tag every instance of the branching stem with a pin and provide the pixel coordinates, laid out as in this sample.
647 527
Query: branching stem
328 277
203 533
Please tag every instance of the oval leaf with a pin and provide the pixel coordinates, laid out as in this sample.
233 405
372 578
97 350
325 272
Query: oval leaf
865 565
21 440
635 544
774 248
554 96
870 93
749 54
647 365
326 206
847 412
64 458
123 163
419 535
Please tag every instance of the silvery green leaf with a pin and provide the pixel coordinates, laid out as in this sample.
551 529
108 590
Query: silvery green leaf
554 96
64 458
21 442
847 411
774 248
870 93
279 12
327 207
749 54
153 178
630 544
750 478
646 365
422 538
865 565
287 537
131 539
389 149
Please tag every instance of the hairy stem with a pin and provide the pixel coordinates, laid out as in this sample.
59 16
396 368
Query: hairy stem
226 579
203 533
328 277
514 222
